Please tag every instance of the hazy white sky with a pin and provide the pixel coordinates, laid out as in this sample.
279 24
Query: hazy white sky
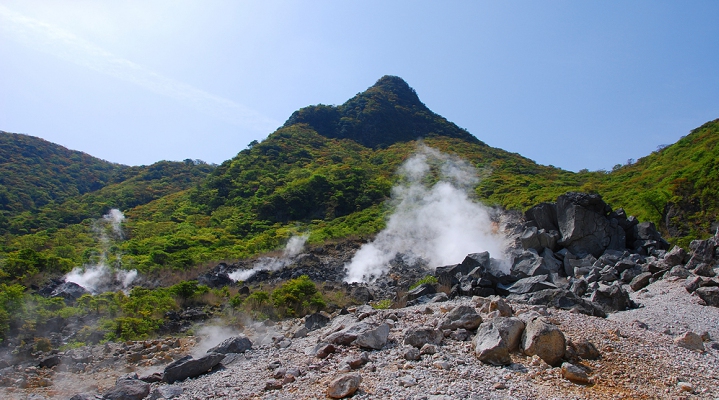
585 84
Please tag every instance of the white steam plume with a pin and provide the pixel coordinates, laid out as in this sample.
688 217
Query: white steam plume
438 223
293 248
100 277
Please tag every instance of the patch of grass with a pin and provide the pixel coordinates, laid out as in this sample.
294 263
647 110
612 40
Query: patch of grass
427 279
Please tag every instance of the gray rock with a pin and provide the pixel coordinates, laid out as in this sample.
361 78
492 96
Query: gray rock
679 272
629 274
676 256
647 236
420 291
128 389
528 263
704 270
428 299
166 392
465 317
322 350
691 341
235 344
421 336
548 239
530 239
69 291
374 338
544 215
316 321
692 283
407 381
544 340
411 353
561 298
344 386
710 295
188 367
490 347
574 373
584 349
483 268
584 226
640 281
429 348
702 251
528 285
50 361
511 329
579 287
611 298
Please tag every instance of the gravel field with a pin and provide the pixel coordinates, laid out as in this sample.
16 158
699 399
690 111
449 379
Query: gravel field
639 359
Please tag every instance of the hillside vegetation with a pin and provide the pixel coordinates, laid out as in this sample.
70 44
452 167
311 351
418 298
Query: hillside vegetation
328 171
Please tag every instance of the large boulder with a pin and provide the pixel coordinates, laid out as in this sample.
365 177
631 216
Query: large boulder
612 298
217 277
465 317
560 298
128 389
482 267
344 385
647 237
235 344
585 228
702 251
187 367
420 336
420 291
544 216
361 334
166 392
528 285
676 256
374 338
316 321
710 295
528 263
640 281
490 346
544 340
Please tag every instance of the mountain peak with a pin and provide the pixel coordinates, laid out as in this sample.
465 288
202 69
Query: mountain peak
386 113
396 87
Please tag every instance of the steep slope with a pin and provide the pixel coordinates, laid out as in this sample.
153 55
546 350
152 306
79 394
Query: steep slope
677 187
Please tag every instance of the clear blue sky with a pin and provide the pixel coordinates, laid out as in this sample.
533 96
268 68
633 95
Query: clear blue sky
575 84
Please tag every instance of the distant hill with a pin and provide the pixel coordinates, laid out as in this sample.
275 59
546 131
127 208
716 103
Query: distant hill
35 172
44 185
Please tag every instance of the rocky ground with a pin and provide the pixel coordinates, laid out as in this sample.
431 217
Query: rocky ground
640 357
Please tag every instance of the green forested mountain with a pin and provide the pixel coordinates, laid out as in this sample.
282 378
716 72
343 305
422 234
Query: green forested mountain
328 171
